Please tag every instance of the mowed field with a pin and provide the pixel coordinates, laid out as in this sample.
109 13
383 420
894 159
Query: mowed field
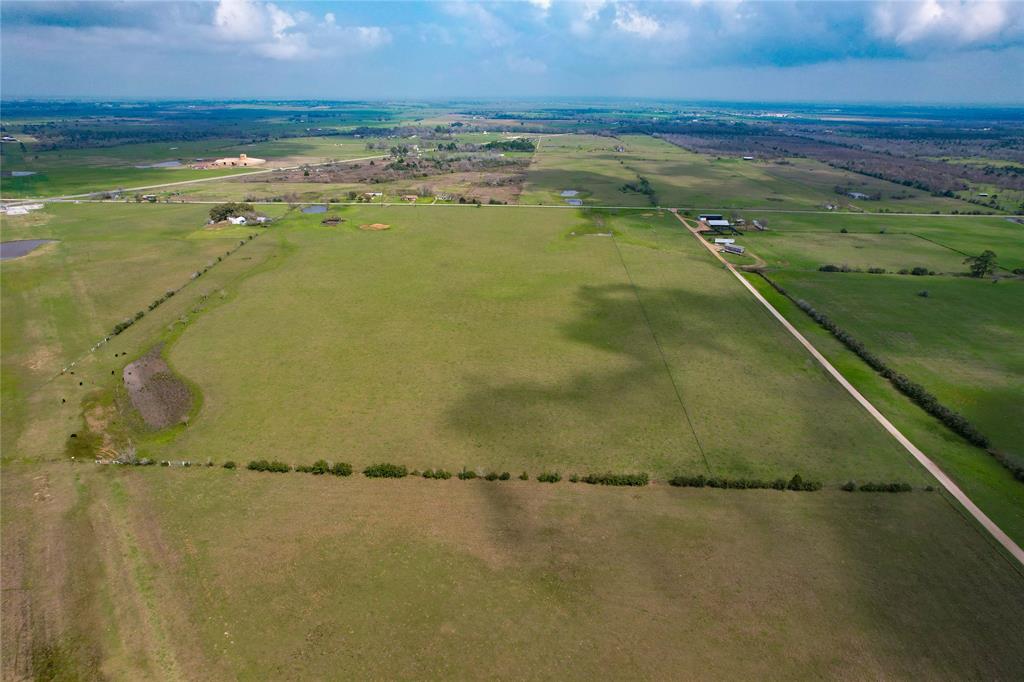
495 339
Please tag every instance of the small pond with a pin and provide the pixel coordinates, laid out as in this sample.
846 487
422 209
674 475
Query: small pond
20 247
315 209
162 164
569 192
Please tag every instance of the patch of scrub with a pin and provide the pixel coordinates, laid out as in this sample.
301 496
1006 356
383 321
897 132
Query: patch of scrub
21 247
162 164
160 397
315 209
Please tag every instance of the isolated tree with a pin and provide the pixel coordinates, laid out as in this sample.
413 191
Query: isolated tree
982 265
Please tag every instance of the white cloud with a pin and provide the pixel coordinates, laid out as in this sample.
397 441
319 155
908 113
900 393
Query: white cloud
630 20
268 30
586 14
542 5
956 22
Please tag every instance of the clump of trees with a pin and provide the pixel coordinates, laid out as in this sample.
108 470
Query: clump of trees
232 208
439 474
981 265
518 145
549 477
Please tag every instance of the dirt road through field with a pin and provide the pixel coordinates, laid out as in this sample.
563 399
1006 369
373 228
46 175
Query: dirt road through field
946 482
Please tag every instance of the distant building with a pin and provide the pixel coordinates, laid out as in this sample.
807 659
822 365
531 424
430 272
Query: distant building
858 195
709 216
237 220
733 248
748 158
723 240
240 160
9 138
716 224
411 198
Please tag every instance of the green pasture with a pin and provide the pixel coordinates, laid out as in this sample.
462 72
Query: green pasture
990 485
961 236
109 261
962 342
492 338
77 171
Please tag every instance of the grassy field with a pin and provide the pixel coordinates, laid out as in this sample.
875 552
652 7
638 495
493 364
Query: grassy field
593 166
507 343
962 342
109 261
960 236
77 171
248 576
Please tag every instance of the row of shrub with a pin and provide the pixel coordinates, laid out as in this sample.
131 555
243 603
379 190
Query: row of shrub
702 481
894 487
916 271
272 466
616 479
321 467
917 393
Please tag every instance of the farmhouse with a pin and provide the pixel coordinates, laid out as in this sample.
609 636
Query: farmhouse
858 195
733 248
411 198
237 220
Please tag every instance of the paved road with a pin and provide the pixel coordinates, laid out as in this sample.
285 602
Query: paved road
925 461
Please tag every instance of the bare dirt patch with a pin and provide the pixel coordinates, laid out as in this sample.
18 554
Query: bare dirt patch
156 393
375 227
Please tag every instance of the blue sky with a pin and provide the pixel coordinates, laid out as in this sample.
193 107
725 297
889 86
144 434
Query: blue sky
943 51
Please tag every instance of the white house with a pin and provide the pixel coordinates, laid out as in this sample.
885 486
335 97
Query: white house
237 220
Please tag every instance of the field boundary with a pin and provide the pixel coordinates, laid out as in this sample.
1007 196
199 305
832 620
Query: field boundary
945 481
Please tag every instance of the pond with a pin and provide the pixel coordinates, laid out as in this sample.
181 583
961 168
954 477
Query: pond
162 164
20 247
315 209
569 192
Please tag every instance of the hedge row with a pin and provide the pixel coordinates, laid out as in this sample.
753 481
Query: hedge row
701 481
894 487
917 393
917 271
616 479
274 466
